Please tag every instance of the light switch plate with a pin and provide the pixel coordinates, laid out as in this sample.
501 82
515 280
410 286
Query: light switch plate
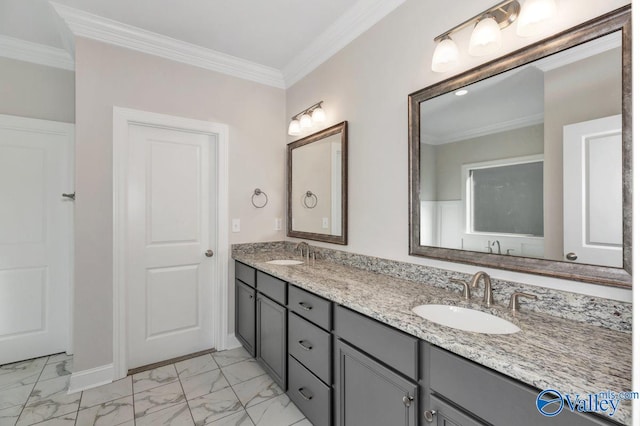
278 226
235 225
325 223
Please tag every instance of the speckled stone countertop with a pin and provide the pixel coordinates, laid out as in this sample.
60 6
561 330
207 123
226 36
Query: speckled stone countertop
548 352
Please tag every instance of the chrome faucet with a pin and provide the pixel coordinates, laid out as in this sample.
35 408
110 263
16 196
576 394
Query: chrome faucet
498 243
488 292
302 245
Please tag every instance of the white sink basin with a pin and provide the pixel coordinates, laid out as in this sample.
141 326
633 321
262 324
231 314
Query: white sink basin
465 319
287 262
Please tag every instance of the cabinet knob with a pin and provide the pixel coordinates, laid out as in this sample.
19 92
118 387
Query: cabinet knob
208 253
429 415
305 345
304 395
407 400
572 256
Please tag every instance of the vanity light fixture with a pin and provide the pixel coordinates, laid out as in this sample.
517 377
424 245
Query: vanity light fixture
304 120
486 37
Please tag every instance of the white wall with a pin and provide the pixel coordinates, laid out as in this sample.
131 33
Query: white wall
35 91
367 83
108 76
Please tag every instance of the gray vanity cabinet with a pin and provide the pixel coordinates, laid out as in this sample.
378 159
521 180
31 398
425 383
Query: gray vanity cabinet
376 372
271 327
370 394
246 316
245 306
461 388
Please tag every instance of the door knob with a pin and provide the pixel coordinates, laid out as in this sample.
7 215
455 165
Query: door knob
572 256
208 253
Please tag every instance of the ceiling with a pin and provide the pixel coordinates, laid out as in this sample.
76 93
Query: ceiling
269 33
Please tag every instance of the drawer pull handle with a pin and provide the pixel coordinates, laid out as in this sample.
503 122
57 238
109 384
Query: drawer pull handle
305 306
306 397
305 345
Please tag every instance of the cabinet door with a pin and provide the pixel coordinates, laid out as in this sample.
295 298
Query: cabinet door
370 394
271 348
448 415
246 316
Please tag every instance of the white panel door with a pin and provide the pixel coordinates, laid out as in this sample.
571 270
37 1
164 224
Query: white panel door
169 278
35 236
593 191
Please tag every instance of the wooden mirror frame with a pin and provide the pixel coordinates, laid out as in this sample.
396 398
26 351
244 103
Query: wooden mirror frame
616 20
340 128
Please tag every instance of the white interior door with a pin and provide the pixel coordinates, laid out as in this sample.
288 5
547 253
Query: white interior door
593 191
169 275
35 237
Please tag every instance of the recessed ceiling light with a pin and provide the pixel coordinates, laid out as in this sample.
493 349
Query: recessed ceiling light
462 92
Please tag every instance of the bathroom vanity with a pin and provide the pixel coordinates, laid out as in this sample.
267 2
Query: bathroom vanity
345 345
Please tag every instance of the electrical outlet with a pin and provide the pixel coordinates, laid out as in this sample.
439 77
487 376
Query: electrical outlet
325 223
278 226
235 225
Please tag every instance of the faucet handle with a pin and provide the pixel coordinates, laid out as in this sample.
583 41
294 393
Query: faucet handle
465 291
514 303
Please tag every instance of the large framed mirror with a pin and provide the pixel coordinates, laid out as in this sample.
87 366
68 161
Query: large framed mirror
317 186
524 163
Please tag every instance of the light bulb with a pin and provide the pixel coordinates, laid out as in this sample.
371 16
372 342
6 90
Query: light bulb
294 128
486 37
318 115
534 15
446 56
305 121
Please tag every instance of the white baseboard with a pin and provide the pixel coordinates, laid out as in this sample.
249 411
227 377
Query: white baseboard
87 379
231 342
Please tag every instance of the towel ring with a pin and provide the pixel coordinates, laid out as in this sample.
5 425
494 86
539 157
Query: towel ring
256 193
314 200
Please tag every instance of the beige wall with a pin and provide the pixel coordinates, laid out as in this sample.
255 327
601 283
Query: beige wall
450 157
367 83
581 91
35 91
108 76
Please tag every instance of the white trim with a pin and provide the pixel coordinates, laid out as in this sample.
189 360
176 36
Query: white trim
122 118
91 378
88 25
232 342
40 54
358 19
577 53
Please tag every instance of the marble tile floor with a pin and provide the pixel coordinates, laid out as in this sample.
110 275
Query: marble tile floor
225 388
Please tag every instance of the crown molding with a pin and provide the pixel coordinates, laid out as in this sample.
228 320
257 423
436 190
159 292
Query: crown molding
577 53
362 16
41 54
88 25
485 130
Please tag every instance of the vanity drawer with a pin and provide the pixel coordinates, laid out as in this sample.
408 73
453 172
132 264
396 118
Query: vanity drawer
309 306
309 394
481 391
391 346
310 345
273 287
246 274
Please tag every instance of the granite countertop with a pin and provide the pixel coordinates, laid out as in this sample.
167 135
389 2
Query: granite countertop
548 352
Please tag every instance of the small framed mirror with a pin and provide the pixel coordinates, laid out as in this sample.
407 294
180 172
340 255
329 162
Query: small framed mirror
317 186
524 163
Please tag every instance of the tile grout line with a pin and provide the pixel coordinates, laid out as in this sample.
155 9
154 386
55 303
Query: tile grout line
184 393
133 402
32 388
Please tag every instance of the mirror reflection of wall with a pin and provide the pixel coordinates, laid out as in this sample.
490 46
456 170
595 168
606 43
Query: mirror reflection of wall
316 188
493 174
